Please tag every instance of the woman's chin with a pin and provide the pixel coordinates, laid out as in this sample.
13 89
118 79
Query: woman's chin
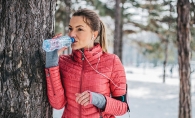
75 48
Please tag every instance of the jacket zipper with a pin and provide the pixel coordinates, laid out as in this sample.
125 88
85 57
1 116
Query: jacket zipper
100 111
81 79
51 81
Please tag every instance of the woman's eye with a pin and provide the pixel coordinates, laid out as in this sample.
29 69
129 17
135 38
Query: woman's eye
70 29
80 29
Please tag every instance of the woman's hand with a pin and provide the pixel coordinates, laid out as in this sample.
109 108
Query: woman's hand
83 98
52 57
60 51
89 97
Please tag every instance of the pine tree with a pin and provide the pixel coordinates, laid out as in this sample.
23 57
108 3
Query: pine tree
117 32
155 24
183 41
23 26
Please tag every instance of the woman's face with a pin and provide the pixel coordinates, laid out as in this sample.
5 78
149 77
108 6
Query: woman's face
81 32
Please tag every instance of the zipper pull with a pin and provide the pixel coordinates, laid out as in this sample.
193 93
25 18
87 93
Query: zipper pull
100 111
82 56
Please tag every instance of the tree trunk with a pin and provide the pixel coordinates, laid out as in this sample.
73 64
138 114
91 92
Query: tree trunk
166 47
192 12
183 40
121 34
67 20
23 26
117 32
165 61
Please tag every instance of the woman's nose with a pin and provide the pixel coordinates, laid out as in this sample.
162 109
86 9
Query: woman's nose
72 34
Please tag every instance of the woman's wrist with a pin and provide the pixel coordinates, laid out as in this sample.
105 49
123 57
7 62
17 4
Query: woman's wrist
51 59
98 100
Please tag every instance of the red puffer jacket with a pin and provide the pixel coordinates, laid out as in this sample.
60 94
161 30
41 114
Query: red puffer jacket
75 75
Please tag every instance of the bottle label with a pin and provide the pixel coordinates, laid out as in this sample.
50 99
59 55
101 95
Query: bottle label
52 44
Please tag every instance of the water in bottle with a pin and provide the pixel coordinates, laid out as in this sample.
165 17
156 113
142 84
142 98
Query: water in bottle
57 43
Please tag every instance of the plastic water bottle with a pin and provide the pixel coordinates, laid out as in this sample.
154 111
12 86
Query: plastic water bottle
57 43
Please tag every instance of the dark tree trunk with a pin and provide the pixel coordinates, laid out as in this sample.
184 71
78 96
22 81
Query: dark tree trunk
121 35
67 19
192 12
166 48
23 26
117 32
165 61
183 40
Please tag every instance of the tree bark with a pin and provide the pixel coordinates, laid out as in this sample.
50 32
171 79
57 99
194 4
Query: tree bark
23 26
117 32
183 41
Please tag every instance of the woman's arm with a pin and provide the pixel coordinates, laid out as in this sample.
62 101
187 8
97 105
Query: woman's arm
55 90
118 88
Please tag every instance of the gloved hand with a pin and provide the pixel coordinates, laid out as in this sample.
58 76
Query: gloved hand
98 100
88 97
51 59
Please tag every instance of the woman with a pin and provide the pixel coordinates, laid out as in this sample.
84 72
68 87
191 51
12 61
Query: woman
90 82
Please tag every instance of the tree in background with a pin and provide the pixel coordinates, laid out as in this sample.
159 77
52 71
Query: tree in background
167 38
117 31
62 18
192 23
62 15
184 56
23 26
158 17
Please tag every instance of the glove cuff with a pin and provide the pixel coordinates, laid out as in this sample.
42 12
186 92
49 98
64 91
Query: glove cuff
51 59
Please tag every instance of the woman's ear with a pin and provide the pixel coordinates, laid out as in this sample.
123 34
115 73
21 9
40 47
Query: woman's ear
95 34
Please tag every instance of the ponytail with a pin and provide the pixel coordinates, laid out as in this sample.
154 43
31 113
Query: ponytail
102 35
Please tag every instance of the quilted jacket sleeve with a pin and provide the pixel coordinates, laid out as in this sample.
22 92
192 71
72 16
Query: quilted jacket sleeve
118 88
55 89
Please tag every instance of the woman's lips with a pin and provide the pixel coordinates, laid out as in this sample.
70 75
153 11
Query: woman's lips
74 42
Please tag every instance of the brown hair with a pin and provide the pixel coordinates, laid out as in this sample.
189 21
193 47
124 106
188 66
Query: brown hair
94 22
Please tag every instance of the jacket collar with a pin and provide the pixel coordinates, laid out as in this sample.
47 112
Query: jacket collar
91 54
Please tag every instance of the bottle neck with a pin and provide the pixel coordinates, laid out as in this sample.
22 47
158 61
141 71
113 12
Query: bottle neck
72 39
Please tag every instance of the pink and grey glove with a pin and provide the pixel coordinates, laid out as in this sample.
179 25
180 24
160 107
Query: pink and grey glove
97 100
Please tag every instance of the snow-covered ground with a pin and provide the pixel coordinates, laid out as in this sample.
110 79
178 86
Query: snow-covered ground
149 97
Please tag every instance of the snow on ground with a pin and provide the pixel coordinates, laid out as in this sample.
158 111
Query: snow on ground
149 97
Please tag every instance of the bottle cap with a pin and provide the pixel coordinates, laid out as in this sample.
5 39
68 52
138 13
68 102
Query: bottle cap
73 40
